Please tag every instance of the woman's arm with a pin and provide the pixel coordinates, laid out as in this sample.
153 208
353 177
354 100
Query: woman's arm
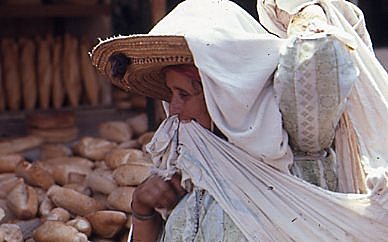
153 193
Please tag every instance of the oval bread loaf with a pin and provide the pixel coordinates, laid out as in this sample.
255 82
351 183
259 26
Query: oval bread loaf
73 201
121 198
51 231
34 174
107 223
131 174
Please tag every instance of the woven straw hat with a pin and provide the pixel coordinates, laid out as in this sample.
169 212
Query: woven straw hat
148 56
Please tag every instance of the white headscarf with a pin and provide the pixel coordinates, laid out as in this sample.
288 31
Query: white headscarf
236 58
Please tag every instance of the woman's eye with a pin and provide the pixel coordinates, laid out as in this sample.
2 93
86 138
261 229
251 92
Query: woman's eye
183 94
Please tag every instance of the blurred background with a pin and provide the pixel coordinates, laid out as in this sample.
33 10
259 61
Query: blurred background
64 127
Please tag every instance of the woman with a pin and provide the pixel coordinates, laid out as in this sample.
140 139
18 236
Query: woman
209 188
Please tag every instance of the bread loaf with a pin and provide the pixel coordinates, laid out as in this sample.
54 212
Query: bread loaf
10 232
88 73
131 174
121 198
8 162
34 174
15 145
117 157
107 223
11 76
49 151
7 182
55 135
73 201
72 161
58 87
117 131
79 187
130 144
46 206
58 214
69 173
23 201
101 180
51 119
51 231
81 224
28 73
71 70
138 123
45 72
93 148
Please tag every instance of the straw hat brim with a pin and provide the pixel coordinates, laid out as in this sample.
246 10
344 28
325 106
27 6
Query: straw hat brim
148 56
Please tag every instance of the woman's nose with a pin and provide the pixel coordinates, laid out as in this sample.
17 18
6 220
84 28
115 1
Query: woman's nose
175 106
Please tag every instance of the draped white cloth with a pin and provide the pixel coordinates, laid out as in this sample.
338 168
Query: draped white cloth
265 204
236 58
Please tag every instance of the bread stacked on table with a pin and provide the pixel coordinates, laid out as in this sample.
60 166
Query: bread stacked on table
77 192
49 72
52 126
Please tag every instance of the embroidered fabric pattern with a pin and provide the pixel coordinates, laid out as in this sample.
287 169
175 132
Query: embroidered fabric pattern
312 83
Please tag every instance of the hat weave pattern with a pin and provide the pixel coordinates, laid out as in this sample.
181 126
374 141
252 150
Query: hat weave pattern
148 56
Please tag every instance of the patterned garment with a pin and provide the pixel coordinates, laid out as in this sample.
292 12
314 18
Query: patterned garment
198 218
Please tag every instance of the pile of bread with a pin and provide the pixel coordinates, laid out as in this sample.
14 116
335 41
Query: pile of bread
49 72
77 192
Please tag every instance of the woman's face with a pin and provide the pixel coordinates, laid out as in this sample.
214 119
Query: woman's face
187 99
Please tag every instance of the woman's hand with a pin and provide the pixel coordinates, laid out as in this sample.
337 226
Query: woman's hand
155 192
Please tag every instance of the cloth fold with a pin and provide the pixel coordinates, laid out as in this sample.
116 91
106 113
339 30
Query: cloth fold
266 204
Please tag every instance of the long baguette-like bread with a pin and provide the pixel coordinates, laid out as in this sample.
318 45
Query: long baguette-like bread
73 201
28 72
71 70
15 145
11 76
88 73
45 73
58 88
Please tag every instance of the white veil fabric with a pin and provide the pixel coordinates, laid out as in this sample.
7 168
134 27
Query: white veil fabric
236 58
